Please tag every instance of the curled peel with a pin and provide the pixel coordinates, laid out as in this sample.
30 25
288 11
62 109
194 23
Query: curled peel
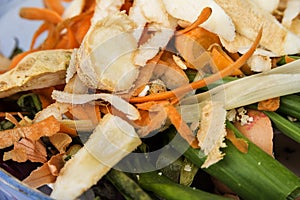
119 103
105 57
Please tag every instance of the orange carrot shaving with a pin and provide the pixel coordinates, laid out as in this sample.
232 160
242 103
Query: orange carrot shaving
183 129
80 25
288 59
150 104
269 104
45 174
156 118
55 5
222 60
245 69
40 14
86 112
45 101
68 130
81 32
239 143
72 41
52 38
60 141
45 96
179 92
144 119
62 43
89 5
167 57
200 35
67 40
204 15
44 27
76 27
145 74
46 127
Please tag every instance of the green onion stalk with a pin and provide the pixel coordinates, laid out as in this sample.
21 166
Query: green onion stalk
290 105
284 125
167 189
126 186
252 175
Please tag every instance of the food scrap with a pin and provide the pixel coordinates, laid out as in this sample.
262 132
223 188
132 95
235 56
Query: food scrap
110 75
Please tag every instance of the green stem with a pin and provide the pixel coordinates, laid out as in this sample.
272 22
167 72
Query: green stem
254 175
126 186
284 125
290 105
167 189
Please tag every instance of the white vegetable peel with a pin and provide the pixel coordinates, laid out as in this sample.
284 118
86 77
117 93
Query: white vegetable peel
119 103
111 140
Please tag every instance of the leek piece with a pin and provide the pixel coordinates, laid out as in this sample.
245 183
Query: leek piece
167 189
290 105
126 186
284 125
30 102
279 81
254 175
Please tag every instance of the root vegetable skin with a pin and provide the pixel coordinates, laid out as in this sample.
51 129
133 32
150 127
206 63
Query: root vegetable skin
219 22
37 70
248 18
260 131
99 60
